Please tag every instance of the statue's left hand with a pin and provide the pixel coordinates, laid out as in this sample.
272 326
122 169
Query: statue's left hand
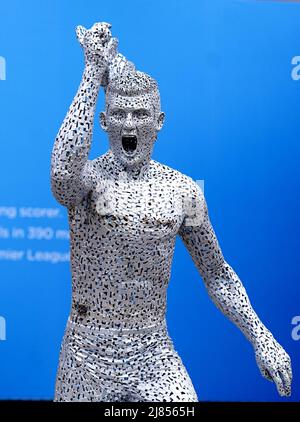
274 364
98 45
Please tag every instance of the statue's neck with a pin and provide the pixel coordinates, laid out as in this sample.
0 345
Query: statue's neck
136 171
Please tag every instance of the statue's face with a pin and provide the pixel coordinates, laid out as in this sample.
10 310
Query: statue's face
132 124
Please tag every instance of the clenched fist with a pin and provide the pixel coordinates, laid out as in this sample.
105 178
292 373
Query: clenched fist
274 364
99 47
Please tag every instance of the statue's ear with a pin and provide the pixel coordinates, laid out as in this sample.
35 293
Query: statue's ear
160 121
80 32
103 123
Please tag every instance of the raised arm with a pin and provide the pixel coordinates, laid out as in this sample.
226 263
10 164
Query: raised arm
70 172
227 292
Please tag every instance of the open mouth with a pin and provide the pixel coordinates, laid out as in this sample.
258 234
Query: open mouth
129 143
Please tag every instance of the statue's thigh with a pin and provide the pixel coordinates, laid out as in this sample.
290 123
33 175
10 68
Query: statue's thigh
81 380
165 378
73 384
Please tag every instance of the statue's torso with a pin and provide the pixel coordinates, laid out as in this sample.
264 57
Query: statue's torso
122 242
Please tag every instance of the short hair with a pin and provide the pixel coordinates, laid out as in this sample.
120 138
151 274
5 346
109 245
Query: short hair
134 83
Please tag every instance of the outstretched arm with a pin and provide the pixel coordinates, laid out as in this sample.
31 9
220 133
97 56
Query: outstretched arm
227 292
70 176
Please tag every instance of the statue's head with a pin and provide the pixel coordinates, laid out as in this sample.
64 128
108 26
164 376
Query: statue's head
132 117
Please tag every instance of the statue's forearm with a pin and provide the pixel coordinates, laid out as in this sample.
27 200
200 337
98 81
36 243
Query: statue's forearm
227 292
73 141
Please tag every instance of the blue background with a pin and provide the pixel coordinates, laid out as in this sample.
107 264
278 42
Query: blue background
232 119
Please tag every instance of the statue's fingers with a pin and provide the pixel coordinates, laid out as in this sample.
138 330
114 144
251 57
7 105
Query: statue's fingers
110 50
80 33
279 383
288 368
102 31
286 381
112 46
101 26
266 374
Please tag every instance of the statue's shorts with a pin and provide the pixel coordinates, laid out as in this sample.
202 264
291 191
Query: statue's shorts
112 365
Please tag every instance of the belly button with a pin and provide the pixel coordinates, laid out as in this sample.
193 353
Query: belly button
81 308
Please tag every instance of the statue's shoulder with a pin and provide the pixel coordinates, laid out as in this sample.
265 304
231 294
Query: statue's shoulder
167 172
99 164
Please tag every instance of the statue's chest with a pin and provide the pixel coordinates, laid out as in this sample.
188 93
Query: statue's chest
137 208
